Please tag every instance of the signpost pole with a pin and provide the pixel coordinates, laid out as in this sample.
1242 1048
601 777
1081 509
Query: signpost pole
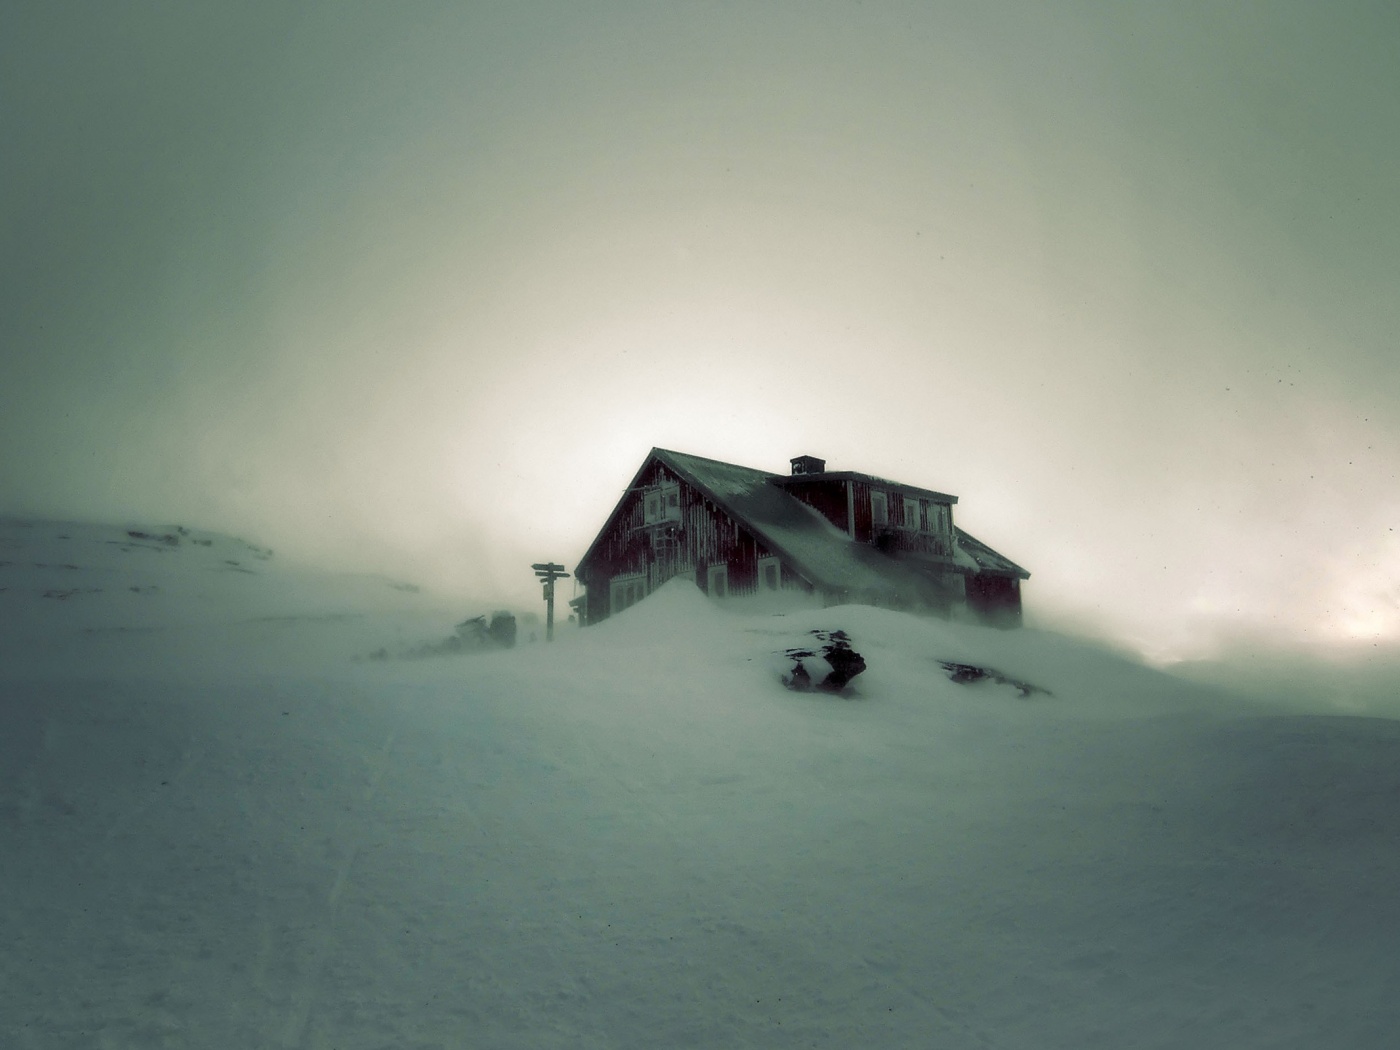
548 572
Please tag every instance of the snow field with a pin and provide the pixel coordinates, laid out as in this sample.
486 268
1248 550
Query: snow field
636 838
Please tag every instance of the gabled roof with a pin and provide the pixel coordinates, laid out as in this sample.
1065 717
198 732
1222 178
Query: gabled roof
810 544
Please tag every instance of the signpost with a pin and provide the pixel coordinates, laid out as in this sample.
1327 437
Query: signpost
548 572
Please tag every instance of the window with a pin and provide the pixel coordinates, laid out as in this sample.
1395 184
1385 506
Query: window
627 590
662 503
717 581
664 540
911 514
879 510
770 576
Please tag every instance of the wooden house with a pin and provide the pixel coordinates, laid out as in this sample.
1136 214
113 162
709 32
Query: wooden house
844 536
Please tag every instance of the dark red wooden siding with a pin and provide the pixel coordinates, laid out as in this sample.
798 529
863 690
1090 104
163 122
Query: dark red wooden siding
899 535
995 599
827 497
705 535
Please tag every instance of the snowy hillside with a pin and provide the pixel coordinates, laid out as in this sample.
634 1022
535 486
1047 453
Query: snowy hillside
78 597
218 829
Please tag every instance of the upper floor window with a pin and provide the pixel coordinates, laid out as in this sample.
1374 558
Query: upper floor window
911 514
664 540
662 503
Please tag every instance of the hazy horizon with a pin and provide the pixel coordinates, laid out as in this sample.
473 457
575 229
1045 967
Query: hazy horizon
416 287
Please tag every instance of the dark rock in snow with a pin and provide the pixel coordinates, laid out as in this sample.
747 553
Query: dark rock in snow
829 666
474 635
966 674
63 594
473 632
168 538
502 630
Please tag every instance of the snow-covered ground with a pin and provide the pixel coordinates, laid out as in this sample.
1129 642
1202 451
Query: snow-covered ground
218 828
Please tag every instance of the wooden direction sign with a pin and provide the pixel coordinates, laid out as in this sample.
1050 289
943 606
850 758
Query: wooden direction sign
548 572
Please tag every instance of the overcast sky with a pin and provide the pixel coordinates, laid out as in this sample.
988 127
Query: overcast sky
421 283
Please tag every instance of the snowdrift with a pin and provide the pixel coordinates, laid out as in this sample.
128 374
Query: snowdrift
636 837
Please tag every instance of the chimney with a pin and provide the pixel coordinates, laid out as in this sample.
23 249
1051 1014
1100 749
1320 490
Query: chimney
808 465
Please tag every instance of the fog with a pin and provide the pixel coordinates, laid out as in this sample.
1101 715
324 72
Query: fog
415 287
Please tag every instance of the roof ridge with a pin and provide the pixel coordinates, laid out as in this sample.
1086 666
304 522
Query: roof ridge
708 459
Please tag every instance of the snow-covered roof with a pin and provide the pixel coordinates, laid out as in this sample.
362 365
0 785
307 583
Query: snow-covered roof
818 550
983 558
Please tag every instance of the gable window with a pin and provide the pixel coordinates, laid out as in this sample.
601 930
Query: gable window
879 510
770 575
662 503
717 580
911 514
664 540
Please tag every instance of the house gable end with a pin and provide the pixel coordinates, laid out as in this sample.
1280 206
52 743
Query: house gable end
585 563
671 522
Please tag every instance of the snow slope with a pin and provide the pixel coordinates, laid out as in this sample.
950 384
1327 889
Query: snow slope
221 831
78 597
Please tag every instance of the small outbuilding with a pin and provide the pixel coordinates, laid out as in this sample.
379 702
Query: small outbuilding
844 536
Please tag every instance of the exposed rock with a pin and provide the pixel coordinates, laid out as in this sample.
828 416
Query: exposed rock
966 674
502 630
64 593
168 538
473 632
828 666
474 635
